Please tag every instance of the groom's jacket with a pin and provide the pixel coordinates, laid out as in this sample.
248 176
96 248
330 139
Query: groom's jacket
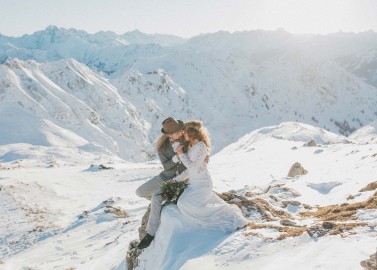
172 166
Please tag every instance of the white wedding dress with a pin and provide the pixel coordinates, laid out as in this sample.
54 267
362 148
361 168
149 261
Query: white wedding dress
198 202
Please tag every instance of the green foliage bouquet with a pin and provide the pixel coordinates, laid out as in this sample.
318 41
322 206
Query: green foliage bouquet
171 192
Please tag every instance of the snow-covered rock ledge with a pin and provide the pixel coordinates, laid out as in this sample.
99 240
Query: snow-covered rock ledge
274 227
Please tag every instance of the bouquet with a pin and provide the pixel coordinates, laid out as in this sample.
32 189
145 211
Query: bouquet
171 192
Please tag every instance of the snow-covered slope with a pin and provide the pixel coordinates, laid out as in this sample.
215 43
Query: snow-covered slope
65 103
84 217
257 164
366 134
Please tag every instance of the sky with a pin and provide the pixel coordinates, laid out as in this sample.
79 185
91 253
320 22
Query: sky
187 18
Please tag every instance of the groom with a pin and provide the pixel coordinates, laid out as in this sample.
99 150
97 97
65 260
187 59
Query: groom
172 166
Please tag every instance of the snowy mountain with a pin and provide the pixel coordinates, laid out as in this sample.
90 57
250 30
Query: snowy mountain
66 103
354 52
119 87
124 115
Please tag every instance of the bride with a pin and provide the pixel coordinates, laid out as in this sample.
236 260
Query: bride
197 201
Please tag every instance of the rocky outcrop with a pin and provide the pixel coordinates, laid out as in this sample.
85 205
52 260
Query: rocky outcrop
267 211
133 252
116 211
144 221
369 187
311 143
296 170
371 263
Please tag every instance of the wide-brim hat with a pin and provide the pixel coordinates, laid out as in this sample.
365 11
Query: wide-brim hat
171 125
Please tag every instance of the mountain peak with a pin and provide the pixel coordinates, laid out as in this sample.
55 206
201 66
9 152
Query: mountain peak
51 28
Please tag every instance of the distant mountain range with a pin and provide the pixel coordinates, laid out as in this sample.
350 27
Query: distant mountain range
111 92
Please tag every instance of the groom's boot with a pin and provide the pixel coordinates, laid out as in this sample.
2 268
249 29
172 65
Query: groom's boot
146 241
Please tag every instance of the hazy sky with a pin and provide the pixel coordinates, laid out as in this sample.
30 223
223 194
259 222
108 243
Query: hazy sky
187 18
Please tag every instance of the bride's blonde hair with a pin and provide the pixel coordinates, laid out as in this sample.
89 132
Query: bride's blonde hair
196 130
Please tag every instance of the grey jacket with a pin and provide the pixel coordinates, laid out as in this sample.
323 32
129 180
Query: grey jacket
170 167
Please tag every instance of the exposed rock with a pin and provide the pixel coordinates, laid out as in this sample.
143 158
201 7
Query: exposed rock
333 228
266 210
311 143
295 193
133 252
317 231
116 210
144 221
328 225
371 263
369 187
297 169
132 255
287 222
307 206
295 203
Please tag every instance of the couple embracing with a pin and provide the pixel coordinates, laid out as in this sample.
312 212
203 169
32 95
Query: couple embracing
198 202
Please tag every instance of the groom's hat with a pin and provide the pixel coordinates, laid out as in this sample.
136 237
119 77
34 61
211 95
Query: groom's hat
171 125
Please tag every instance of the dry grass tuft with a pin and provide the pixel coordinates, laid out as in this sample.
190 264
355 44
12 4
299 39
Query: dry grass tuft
340 228
255 226
291 232
342 212
287 231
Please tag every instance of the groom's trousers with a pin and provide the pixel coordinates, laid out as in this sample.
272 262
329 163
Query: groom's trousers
152 191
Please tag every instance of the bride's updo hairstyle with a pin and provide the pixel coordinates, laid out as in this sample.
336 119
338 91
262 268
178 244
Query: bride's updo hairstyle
196 130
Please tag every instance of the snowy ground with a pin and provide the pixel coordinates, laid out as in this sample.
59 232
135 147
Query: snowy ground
57 212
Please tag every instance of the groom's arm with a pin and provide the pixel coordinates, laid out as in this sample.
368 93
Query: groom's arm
166 162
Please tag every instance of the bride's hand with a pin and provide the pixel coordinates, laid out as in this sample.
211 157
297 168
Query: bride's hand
170 181
206 160
180 149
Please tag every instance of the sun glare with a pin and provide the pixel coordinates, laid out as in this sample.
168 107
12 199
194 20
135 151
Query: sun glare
318 16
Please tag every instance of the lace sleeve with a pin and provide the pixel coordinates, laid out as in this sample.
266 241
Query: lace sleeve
197 159
181 177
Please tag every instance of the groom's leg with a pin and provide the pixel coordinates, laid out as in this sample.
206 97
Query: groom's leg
147 189
154 215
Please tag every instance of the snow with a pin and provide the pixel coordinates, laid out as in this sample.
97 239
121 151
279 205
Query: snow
73 103
366 134
301 253
61 210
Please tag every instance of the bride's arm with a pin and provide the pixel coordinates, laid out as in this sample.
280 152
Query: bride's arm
197 159
181 177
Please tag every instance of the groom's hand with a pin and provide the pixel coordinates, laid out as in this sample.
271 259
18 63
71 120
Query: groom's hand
180 149
170 181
